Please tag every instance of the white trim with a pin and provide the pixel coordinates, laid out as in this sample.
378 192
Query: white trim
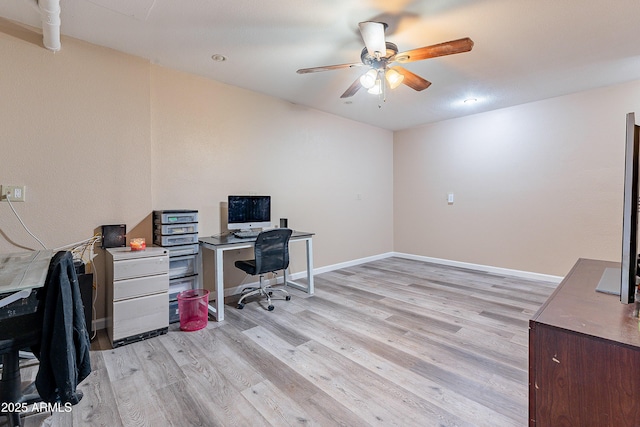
303 274
102 323
485 268
478 267
346 264
98 324
236 290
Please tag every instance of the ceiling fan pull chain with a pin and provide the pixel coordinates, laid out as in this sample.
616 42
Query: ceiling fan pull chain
383 82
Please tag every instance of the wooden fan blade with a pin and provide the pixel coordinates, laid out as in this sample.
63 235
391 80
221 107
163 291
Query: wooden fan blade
373 36
442 49
351 90
412 80
328 68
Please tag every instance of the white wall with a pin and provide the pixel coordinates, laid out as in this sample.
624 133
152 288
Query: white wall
75 132
211 140
536 186
100 137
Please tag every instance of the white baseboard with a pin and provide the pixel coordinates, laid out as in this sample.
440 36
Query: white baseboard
236 290
102 323
303 274
352 263
479 267
98 324
485 268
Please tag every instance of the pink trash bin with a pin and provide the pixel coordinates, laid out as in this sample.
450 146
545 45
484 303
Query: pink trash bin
193 307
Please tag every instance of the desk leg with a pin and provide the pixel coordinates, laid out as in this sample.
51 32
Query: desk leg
218 310
310 288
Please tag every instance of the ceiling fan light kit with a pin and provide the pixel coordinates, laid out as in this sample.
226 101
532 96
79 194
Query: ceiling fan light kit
394 78
377 88
380 55
368 79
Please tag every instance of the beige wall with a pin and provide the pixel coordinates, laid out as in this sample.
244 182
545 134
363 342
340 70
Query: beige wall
100 137
75 131
536 186
211 140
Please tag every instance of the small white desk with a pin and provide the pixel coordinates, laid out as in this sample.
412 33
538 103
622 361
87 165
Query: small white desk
219 244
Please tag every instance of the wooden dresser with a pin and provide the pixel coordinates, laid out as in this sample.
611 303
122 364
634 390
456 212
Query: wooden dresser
584 355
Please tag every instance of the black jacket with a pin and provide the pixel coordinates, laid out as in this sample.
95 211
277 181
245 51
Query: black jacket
64 347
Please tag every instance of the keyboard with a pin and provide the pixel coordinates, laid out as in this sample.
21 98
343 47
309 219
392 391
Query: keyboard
246 234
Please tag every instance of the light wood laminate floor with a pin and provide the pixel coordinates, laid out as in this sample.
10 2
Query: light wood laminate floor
394 342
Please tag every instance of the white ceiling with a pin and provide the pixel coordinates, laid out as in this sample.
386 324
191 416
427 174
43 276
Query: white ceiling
525 50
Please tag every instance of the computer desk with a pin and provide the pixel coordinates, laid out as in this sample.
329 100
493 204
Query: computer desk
220 244
21 272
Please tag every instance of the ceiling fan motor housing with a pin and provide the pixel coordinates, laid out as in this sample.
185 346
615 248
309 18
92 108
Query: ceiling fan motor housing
381 62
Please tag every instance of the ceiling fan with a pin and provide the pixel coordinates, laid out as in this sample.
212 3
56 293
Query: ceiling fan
380 56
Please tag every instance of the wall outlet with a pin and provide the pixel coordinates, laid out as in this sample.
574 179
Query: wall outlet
15 193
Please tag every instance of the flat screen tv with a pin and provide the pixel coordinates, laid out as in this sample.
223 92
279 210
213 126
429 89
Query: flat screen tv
629 267
623 281
248 212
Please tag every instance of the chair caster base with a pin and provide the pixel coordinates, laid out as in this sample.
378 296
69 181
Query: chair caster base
240 306
287 298
270 308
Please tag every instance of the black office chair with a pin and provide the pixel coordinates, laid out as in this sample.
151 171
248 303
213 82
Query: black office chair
20 331
50 322
271 253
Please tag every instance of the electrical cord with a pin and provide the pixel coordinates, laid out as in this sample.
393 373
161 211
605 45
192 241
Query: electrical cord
8 199
78 251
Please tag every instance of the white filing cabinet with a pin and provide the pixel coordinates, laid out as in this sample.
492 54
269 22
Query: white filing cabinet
137 294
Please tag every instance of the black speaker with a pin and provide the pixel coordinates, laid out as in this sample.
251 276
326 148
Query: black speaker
113 236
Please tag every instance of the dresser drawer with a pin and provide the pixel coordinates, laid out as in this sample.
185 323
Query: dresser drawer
178 239
138 315
182 266
182 284
130 268
139 286
168 229
175 217
183 250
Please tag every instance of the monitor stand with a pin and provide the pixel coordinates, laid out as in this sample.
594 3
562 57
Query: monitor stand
610 281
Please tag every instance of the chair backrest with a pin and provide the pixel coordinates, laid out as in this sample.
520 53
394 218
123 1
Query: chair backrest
272 250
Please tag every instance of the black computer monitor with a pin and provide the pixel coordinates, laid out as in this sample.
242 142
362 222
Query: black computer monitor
247 212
